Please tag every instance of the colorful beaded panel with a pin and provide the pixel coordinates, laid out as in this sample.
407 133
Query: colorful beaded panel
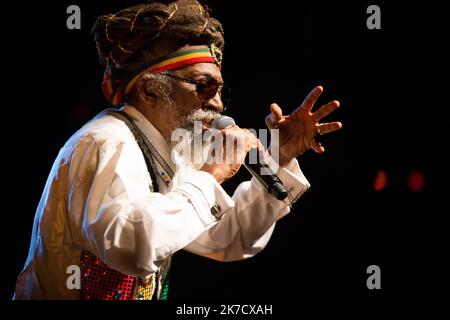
100 282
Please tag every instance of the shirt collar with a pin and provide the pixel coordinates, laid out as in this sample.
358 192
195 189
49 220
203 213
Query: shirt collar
151 133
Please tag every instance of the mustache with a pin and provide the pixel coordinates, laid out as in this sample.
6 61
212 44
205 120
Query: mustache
206 115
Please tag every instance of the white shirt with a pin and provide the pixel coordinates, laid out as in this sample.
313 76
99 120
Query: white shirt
97 198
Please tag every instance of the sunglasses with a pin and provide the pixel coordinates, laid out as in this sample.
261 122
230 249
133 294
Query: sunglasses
207 88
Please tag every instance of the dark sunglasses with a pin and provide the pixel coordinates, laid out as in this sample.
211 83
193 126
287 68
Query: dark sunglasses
207 88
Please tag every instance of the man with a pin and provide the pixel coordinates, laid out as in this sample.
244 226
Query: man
120 201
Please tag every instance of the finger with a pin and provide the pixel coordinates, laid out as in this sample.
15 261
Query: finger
269 123
276 111
246 144
243 138
246 138
261 147
329 127
276 114
255 150
325 110
231 129
309 101
252 140
317 147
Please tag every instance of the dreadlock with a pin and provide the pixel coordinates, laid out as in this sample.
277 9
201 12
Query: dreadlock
132 39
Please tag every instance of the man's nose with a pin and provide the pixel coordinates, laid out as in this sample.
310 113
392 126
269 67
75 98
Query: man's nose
216 103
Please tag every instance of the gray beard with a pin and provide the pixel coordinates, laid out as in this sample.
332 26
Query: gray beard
188 124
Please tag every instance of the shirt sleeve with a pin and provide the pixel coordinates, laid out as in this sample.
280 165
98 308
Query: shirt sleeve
247 227
114 214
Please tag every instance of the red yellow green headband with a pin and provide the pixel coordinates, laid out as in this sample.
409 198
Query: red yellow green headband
173 61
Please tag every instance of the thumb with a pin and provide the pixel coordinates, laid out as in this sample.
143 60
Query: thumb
276 114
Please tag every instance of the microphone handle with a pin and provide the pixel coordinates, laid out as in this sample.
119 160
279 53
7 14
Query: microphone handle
271 182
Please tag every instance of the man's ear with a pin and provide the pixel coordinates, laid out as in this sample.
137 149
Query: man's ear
146 92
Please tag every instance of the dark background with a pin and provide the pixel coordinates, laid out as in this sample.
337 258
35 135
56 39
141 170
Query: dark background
395 118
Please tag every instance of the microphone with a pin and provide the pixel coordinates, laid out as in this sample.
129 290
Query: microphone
269 180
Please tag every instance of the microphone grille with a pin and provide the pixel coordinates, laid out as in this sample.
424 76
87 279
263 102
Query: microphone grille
223 122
